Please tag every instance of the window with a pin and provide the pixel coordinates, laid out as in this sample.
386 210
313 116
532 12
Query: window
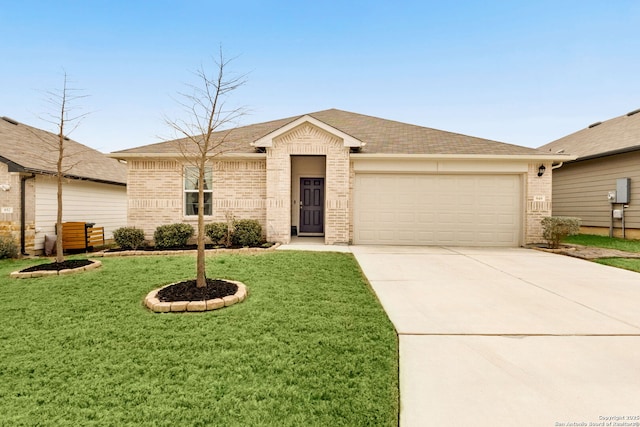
191 190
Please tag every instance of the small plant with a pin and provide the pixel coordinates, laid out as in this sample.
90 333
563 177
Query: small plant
230 220
217 232
556 228
128 237
246 232
8 247
172 235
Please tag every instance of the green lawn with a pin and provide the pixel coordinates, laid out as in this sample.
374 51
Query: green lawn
311 346
604 242
632 264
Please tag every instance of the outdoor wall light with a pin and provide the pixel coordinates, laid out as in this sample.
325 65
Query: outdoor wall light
541 170
5 187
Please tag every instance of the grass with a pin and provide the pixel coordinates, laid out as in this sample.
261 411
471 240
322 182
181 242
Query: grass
632 264
604 242
310 346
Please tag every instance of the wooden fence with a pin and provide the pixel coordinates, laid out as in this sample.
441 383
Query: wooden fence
76 235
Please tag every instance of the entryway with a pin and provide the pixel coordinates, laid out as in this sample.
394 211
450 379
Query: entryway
308 195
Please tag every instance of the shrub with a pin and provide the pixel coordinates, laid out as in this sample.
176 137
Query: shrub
556 228
246 232
172 235
128 237
217 232
8 247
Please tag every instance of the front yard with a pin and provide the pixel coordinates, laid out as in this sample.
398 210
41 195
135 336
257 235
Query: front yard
310 346
632 264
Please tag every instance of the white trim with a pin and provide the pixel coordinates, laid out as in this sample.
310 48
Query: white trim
267 140
523 157
186 191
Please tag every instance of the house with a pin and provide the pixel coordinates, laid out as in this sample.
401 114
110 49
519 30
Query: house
351 178
94 188
607 154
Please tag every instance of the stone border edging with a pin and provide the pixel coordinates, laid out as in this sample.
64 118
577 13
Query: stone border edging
42 273
154 304
187 252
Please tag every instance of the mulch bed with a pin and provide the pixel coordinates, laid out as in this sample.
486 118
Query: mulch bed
185 248
188 291
57 266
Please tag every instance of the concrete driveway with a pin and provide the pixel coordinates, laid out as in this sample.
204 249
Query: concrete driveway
509 337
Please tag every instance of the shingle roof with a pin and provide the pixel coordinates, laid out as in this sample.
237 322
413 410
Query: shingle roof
617 134
34 150
380 136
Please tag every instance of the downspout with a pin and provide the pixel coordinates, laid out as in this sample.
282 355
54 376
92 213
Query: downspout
559 165
23 215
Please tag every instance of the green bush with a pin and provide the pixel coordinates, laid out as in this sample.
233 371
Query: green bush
556 228
128 237
246 232
8 247
217 232
172 235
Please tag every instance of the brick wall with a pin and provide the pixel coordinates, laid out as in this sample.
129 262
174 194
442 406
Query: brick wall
156 192
538 201
307 139
10 222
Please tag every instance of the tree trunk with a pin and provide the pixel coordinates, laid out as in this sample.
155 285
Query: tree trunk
59 247
201 280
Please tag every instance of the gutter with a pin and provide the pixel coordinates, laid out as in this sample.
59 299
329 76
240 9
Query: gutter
23 215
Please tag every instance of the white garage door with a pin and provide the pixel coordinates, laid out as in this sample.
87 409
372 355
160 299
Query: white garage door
456 210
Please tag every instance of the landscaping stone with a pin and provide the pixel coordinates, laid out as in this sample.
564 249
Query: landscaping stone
230 300
162 307
214 304
179 305
197 306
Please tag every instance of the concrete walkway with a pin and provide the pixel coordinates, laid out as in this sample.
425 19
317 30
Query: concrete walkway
509 337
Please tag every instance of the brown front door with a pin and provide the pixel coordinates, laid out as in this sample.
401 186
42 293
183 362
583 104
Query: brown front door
312 205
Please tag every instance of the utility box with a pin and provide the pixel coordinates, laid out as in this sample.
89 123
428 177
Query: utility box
623 190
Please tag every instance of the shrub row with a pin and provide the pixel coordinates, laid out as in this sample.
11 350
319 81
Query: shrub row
243 232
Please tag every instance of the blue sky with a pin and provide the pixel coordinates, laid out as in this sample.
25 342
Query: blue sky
523 72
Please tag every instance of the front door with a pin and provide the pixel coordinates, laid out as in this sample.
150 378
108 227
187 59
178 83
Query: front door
312 205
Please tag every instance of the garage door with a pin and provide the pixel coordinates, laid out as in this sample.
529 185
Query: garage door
456 210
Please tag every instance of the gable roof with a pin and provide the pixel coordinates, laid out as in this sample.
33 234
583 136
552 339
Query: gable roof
617 135
378 136
28 149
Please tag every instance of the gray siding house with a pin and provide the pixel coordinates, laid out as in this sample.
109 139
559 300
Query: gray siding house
606 152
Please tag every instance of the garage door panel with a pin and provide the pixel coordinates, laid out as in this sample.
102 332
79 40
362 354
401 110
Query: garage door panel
470 210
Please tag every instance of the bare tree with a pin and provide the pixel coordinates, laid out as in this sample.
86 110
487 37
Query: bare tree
205 134
66 120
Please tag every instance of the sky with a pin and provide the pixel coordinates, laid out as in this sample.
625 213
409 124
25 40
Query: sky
522 72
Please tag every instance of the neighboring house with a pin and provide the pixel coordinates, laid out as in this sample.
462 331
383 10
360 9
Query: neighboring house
352 179
606 151
94 188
